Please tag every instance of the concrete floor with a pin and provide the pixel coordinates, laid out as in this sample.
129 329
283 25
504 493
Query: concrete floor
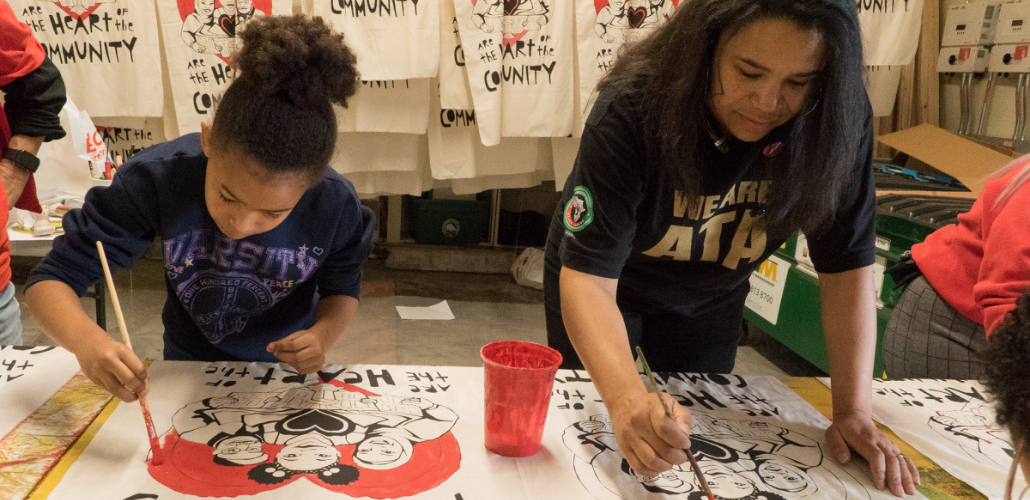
487 307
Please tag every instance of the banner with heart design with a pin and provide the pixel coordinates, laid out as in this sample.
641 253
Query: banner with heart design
107 51
235 429
603 27
393 39
200 37
520 66
397 106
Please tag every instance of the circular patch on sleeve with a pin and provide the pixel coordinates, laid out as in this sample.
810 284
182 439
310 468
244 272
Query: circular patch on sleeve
579 211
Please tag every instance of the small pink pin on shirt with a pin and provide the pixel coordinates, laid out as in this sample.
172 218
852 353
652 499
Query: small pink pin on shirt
773 149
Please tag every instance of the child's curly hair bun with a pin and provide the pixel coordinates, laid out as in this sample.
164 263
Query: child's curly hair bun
299 57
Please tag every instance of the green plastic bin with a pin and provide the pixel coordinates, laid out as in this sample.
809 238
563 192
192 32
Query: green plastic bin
451 222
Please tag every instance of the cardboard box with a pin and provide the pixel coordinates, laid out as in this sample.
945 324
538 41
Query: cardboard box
948 153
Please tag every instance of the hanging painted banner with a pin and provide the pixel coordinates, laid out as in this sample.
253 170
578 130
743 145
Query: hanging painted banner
396 106
890 31
393 39
564 151
752 437
456 152
97 44
28 377
235 429
951 422
604 26
200 37
383 164
454 81
519 58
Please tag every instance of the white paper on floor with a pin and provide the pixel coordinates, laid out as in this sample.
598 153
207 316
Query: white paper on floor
440 311
951 422
752 436
29 376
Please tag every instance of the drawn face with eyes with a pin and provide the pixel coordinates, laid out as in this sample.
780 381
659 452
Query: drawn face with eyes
308 452
381 452
783 477
726 483
242 450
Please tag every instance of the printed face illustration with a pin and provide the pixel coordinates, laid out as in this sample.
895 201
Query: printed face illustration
579 207
205 7
670 481
245 6
379 450
783 477
308 452
243 450
617 5
725 483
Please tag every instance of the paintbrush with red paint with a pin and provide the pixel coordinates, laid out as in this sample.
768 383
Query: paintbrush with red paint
155 445
690 456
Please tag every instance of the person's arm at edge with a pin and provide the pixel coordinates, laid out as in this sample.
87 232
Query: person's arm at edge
598 332
849 322
57 309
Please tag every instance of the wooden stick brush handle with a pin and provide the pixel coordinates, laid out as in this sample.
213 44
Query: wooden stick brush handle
155 444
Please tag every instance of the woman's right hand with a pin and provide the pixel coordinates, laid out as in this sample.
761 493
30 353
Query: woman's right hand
114 367
650 441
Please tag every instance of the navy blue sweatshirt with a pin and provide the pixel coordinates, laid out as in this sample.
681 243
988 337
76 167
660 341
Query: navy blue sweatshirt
227 299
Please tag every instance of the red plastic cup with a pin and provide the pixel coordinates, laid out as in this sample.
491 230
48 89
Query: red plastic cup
518 380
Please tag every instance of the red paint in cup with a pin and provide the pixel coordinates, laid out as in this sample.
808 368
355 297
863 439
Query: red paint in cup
518 380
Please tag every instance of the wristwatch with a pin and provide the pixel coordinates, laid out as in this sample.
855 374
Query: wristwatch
23 159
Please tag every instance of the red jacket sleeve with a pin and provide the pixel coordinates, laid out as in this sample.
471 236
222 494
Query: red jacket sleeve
1005 269
20 53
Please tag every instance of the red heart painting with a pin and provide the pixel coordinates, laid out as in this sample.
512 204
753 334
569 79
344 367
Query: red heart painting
636 16
228 24
510 6
223 22
78 15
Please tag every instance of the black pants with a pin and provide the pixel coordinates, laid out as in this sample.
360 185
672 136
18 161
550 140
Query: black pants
672 341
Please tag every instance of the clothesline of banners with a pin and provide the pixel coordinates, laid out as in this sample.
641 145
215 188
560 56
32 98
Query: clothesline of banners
481 93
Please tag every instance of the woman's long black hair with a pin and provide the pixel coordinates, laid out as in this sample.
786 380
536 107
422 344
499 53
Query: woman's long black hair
672 68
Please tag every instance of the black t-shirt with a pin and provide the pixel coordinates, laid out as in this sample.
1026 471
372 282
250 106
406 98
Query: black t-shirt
618 220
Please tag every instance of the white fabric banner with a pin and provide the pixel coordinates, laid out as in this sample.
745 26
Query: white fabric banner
890 31
120 135
235 429
393 39
951 422
881 83
396 106
519 57
454 81
107 51
199 39
564 151
456 152
238 429
752 437
383 164
375 152
603 27
28 377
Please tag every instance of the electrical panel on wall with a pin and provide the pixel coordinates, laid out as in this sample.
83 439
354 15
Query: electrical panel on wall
1013 23
963 60
970 24
1008 59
